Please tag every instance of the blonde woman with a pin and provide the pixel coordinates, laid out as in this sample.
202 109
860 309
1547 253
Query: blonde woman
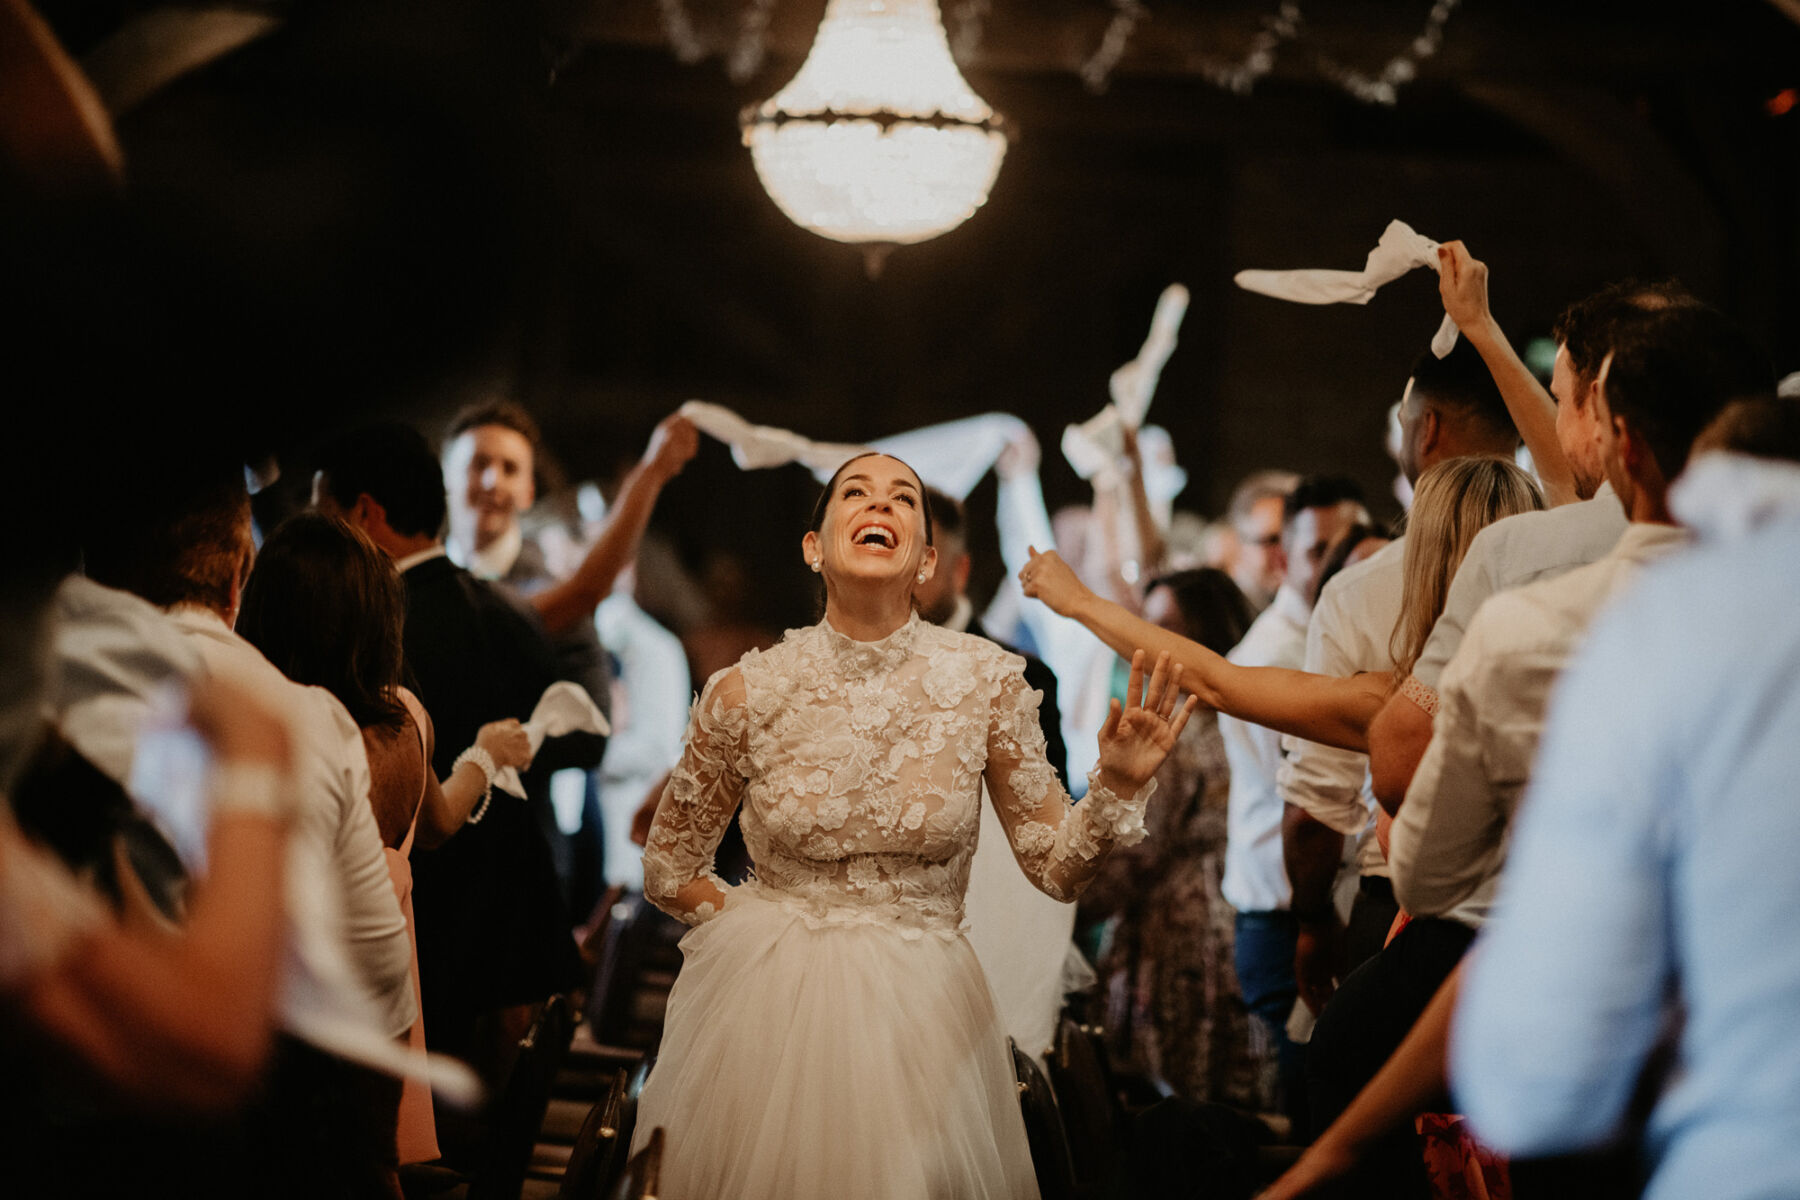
1452 502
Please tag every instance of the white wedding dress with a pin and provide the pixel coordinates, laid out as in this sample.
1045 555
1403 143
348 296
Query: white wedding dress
831 1035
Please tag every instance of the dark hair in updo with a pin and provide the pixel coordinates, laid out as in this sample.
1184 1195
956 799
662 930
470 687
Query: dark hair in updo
818 513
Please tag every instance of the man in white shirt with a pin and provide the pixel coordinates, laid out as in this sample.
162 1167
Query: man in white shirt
1669 373
1254 516
1450 408
1255 883
1530 546
1656 814
189 552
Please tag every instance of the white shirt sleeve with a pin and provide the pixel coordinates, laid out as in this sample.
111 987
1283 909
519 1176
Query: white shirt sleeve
1449 835
1325 781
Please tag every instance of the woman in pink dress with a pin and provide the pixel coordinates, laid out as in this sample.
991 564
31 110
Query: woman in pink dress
326 606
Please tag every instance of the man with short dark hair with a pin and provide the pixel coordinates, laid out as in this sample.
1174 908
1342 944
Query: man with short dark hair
1668 373
1449 408
493 927
1255 882
1528 546
1650 891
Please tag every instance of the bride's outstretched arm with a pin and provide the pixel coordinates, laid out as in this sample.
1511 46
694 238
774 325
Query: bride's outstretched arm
697 805
1319 708
1058 846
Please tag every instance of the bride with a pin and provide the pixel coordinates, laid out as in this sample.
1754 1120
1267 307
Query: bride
830 1034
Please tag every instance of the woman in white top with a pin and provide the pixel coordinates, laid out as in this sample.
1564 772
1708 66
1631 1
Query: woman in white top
830 1033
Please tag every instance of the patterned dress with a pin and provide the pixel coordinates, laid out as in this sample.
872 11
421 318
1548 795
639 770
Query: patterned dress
831 1033
1173 1008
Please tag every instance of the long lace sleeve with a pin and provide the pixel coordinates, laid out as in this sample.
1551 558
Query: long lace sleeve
696 807
1058 846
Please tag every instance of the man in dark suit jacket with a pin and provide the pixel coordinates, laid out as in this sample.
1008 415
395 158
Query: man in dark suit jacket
494 931
491 456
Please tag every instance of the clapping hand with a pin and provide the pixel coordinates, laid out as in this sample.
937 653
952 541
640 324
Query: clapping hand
1139 735
1048 578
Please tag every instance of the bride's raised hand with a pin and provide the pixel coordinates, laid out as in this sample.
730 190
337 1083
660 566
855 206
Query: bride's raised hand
1139 735
1048 578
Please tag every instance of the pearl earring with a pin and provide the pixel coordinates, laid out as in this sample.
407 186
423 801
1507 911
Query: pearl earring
921 575
816 566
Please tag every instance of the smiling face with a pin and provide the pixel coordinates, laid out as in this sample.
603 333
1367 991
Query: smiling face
487 474
872 526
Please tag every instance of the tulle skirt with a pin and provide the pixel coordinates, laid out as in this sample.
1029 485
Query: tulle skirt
832 1062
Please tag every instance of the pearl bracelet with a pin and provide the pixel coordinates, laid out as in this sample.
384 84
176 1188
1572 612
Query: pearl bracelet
485 762
252 789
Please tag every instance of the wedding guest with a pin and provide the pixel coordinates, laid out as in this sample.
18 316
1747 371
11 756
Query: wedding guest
652 691
326 606
493 928
1175 1011
189 551
1668 374
1255 516
1669 735
1535 547
1449 408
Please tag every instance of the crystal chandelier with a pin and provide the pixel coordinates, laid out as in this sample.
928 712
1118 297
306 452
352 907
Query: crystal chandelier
879 140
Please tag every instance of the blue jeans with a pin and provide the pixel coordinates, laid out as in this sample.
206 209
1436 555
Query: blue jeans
1264 958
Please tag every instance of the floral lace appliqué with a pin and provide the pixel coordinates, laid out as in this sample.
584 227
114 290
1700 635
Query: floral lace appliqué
859 768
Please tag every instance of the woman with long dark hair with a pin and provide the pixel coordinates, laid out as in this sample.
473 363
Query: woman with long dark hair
326 606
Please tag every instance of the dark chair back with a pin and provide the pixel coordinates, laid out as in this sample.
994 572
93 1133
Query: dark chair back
1043 1129
1090 1114
619 954
518 1114
643 1174
598 1149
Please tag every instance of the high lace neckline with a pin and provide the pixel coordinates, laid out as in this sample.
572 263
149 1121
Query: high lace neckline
860 660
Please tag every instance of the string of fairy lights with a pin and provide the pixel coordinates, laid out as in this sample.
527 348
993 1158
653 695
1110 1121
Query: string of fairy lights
1278 32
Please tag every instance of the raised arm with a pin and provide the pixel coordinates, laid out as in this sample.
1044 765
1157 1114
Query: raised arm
184 1022
566 604
696 808
1152 548
1319 708
1059 847
1462 282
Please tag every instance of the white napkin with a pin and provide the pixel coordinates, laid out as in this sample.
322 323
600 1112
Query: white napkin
563 708
1094 446
952 456
756 446
1400 250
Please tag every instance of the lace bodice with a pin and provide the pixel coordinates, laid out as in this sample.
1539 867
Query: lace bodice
859 767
